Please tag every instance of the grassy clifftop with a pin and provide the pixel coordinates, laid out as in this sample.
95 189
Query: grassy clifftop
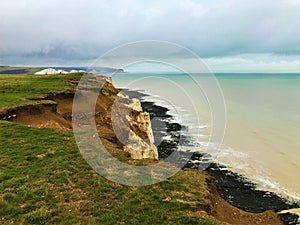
16 89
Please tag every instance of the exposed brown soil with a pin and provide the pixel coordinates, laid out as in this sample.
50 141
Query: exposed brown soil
56 112
37 115
222 211
55 109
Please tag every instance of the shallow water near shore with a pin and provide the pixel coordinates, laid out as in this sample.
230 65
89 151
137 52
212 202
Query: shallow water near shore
262 137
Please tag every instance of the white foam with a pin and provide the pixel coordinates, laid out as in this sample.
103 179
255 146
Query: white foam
188 148
167 138
192 126
245 165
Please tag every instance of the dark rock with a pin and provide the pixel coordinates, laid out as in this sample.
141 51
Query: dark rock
290 218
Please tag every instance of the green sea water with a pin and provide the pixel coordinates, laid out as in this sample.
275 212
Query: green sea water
262 133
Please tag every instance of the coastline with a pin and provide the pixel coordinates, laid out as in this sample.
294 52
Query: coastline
195 183
232 187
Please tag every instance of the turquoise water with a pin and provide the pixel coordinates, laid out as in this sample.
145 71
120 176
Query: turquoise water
262 133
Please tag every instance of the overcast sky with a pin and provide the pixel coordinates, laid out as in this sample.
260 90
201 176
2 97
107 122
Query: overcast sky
230 35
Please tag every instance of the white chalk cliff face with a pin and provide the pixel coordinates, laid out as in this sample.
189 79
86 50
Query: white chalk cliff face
54 71
122 120
141 146
135 131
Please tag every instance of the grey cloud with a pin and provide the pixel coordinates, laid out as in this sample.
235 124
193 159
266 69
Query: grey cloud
86 29
59 52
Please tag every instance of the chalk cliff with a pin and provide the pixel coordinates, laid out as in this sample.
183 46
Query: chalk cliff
130 124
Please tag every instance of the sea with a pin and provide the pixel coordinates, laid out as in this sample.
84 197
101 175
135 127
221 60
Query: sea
249 122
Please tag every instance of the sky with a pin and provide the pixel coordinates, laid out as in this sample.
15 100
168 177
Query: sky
229 35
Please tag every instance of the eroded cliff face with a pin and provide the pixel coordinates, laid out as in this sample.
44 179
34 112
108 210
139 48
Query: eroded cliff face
121 122
132 127
140 143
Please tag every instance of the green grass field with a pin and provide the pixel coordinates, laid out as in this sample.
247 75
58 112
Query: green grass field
45 180
14 89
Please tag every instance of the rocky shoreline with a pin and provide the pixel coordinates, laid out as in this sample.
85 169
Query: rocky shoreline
232 187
